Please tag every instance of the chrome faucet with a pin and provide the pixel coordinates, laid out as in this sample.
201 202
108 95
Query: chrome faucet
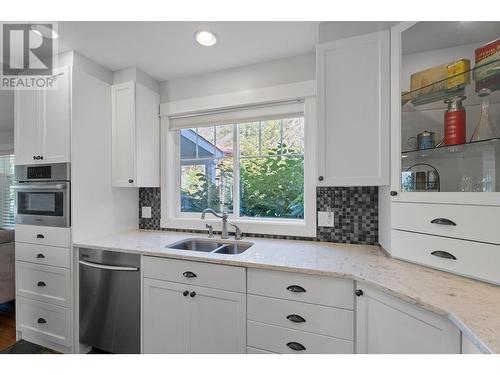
224 235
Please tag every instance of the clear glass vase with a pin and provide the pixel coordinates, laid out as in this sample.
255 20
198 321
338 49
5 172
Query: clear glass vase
484 129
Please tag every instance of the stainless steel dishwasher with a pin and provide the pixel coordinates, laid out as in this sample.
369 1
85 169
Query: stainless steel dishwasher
109 284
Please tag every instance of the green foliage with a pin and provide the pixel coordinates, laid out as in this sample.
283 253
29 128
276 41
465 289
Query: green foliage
272 186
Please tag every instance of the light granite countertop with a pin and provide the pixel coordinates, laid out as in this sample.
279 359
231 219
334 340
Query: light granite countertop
473 306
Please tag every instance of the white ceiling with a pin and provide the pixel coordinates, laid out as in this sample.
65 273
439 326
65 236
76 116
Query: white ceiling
426 36
167 50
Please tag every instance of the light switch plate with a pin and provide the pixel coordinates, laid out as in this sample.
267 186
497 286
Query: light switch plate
326 219
146 212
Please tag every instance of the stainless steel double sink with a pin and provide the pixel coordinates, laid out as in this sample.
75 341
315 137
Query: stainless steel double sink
211 246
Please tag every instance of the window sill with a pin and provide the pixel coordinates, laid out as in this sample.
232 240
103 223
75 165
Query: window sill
272 227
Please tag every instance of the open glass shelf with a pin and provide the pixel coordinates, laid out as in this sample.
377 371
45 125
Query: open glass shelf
469 167
467 83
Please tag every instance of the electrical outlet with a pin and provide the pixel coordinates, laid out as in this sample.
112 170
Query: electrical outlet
326 219
146 212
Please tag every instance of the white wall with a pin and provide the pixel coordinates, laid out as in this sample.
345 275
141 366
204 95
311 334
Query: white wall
97 208
271 73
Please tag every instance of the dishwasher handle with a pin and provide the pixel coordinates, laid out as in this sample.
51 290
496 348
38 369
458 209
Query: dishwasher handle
107 267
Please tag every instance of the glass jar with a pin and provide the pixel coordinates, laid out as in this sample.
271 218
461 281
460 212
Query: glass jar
484 129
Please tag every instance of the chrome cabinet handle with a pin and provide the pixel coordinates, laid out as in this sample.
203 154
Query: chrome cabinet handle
296 289
443 221
296 318
189 274
443 254
296 346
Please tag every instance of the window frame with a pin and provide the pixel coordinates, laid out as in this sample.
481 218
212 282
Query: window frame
3 224
172 217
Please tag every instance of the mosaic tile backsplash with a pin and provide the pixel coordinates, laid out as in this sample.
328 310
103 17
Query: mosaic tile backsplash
355 214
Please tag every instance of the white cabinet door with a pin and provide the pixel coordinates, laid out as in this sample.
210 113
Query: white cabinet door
353 110
43 122
27 127
123 134
218 322
387 325
56 119
165 318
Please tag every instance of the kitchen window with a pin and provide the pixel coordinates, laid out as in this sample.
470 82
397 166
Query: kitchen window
250 169
255 163
6 191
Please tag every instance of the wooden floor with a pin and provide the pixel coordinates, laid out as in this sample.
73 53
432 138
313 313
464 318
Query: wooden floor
7 329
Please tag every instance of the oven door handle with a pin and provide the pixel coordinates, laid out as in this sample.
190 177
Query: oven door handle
41 187
107 267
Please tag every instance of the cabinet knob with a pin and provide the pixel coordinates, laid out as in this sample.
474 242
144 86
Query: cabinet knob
41 321
40 256
321 178
185 293
34 157
192 294
130 181
358 292
393 193
40 236
41 283
41 157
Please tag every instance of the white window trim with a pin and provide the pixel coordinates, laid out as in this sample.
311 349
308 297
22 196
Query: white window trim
170 216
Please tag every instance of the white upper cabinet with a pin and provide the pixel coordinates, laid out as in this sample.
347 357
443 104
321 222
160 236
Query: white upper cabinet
353 110
135 136
386 325
57 119
43 122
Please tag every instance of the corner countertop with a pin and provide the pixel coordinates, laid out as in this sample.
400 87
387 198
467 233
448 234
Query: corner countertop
473 306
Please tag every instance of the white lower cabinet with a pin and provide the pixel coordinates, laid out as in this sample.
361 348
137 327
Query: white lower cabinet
387 325
292 313
186 318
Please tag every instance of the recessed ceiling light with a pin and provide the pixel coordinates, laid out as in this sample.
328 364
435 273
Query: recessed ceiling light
44 31
205 38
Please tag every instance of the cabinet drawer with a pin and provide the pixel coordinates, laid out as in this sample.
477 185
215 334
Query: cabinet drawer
41 254
45 321
323 320
478 223
195 273
283 340
320 290
43 283
40 235
251 350
473 259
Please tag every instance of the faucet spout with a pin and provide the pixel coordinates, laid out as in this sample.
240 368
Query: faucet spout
223 216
